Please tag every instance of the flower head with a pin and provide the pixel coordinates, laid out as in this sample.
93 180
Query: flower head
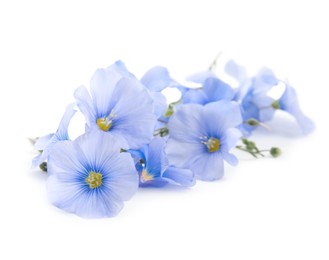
200 137
90 176
154 169
119 104
46 143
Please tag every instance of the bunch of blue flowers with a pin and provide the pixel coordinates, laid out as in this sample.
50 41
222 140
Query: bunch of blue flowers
133 138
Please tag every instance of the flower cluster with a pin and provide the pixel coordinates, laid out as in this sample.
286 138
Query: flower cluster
133 138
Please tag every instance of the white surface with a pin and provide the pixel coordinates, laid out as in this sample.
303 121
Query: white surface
262 209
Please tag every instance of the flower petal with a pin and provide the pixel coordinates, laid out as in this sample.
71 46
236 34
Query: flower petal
121 68
236 71
208 167
201 76
184 177
43 142
216 89
195 96
85 105
102 85
62 133
133 108
156 79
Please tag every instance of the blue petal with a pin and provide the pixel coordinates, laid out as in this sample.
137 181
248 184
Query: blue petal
159 103
236 71
43 142
85 105
201 76
156 79
217 90
62 133
182 177
220 115
157 183
195 96
121 68
289 102
208 167
264 81
186 124
102 85
133 108
230 138
155 156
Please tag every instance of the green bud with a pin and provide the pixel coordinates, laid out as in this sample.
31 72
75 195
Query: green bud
170 110
43 166
275 152
276 104
253 122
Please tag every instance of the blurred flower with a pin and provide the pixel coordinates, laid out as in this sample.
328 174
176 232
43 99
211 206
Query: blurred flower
154 169
289 103
200 137
119 104
90 176
45 143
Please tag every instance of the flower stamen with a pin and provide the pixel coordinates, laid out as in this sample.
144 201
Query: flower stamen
212 143
105 122
94 180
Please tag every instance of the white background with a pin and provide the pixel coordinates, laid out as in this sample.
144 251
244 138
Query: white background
262 209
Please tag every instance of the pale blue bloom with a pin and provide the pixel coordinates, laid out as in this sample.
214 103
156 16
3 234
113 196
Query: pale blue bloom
90 177
289 103
46 143
154 169
252 94
118 104
201 137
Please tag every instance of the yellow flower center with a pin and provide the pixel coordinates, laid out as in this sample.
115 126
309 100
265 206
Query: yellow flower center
146 176
94 180
213 144
104 123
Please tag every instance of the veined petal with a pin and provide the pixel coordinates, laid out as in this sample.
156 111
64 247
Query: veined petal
155 154
184 177
42 142
220 115
102 86
85 105
208 167
62 133
159 103
186 124
156 79
230 138
195 96
132 108
217 90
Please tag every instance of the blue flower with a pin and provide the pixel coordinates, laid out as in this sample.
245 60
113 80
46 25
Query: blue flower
90 176
213 90
154 169
46 143
252 95
289 102
119 104
200 137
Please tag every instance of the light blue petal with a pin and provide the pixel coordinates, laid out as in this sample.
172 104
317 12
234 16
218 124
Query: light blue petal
182 177
208 167
220 115
43 142
102 85
182 154
156 79
264 81
156 183
195 96
133 116
155 155
216 90
230 138
201 76
186 124
236 71
230 158
266 114
159 103
289 102
85 105
62 133
121 68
